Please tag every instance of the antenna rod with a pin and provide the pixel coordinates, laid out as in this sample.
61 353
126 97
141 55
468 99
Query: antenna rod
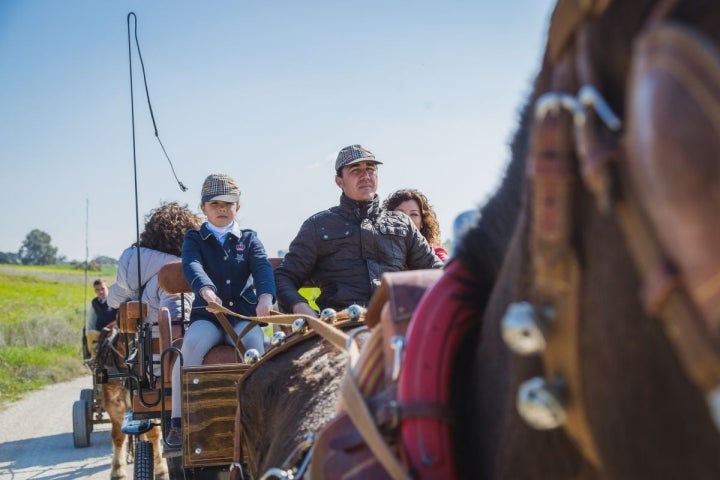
132 115
87 216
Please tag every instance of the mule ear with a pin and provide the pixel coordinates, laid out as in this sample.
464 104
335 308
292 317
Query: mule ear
673 147
171 278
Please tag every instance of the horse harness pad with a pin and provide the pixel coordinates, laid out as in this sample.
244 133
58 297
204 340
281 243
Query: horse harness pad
661 188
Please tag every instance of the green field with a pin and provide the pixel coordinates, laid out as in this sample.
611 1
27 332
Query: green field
42 312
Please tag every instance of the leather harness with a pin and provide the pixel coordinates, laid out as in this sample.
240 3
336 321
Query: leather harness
567 126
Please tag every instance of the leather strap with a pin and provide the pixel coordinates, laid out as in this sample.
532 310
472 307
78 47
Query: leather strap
362 418
334 335
566 18
235 471
660 12
664 294
237 343
556 272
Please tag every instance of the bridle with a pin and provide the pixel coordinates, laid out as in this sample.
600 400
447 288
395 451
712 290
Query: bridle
574 131
108 354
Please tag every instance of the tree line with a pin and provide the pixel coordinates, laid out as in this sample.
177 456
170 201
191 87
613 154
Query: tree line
37 249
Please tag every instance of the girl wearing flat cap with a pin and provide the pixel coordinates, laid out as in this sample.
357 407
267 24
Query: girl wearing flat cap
226 265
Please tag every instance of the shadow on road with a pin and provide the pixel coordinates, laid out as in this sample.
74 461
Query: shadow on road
54 457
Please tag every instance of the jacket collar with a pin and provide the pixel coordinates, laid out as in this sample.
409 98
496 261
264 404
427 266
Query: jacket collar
205 232
360 210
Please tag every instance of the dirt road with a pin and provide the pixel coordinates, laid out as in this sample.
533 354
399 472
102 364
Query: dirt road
36 440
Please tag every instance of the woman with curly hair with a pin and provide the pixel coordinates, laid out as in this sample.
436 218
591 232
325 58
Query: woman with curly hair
416 206
160 243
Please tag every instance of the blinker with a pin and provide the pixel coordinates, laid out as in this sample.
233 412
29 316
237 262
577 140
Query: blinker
101 376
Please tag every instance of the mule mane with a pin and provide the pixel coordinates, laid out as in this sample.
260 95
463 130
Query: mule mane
483 247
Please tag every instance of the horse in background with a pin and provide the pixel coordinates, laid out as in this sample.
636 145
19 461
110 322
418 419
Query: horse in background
619 395
111 354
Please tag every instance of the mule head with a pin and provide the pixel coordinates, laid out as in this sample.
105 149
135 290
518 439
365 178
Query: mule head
613 251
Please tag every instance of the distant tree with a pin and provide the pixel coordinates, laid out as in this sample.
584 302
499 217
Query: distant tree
9 257
93 266
103 260
37 250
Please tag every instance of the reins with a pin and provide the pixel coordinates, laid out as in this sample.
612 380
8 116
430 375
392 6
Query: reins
328 331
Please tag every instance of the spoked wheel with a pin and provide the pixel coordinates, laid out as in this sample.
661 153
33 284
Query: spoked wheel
81 431
86 394
144 463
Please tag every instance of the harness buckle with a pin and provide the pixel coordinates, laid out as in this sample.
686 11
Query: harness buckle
397 343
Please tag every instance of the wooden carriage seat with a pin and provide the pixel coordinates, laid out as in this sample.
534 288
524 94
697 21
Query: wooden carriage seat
129 313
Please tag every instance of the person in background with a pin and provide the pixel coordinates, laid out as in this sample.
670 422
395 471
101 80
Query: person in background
160 243
226 265
345 249
416 206
462 223
101 315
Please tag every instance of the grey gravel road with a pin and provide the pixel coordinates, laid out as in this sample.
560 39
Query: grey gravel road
36 440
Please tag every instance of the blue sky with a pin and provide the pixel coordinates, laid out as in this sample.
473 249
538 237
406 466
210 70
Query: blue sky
266 91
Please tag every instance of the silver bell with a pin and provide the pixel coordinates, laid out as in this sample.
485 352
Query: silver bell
354 311
277 339
523 329
541 404
251 356
328 315
298 324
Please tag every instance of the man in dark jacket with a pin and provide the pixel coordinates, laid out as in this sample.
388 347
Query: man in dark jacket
101 315
345 250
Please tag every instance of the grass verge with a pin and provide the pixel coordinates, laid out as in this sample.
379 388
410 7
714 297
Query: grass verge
41 318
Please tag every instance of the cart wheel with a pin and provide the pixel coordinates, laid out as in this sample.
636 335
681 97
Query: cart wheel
144 462
87 395
81 434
